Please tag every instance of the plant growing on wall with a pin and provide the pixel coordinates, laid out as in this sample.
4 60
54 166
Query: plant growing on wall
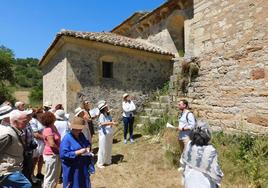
189 71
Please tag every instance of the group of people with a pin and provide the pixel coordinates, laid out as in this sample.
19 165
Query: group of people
199 160
33 137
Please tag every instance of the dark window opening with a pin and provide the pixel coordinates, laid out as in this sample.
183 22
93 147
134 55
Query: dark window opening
107 69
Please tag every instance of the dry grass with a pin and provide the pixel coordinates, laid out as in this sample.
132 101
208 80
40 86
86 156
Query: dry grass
22 96
141 165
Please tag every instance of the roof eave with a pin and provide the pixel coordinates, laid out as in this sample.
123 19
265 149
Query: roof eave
49 49
58 37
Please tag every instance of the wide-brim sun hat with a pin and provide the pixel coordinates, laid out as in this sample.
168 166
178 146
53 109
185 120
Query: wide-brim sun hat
77 123
125 95
102 105
48 104
60 114
5 111
78 110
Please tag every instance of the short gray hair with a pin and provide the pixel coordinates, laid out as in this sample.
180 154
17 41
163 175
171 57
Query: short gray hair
16 115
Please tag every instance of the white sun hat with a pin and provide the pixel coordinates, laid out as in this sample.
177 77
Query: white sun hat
5 111
60 114
78 110
48 104
101 105
125 95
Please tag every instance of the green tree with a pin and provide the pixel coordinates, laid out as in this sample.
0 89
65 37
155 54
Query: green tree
36 95
6 73
6 62
28 74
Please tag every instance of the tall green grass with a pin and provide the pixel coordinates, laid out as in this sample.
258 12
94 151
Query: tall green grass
243 157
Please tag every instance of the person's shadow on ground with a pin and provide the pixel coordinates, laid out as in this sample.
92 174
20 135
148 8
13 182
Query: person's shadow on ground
118 158
136 136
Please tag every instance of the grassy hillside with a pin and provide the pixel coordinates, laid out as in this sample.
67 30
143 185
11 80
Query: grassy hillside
28 77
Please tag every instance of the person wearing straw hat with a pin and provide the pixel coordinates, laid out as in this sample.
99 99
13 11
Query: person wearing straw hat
62 126
47 106
61 123
4 115
86 106
80 112
76 156
105 135
128 117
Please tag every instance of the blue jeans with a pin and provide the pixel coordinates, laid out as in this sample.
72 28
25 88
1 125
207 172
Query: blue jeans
128 125
15 180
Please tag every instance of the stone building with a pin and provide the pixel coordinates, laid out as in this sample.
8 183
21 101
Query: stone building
227 38
135 57
230 40
96 66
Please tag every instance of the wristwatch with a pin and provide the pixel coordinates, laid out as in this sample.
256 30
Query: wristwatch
182 129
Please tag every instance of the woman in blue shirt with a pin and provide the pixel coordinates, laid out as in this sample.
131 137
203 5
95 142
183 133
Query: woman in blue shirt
105 136
75 156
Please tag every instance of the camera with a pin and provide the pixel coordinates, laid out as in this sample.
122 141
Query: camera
33 145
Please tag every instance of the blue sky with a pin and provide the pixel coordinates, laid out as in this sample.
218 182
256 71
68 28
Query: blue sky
29 26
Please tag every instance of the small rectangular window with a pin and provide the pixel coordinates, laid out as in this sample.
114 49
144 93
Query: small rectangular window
107 69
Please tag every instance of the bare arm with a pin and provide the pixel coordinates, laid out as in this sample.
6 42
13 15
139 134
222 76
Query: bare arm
109 123
52 144
38 135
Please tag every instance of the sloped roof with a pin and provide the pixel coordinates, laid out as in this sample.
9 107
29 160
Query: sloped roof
132 20
109 38
146 15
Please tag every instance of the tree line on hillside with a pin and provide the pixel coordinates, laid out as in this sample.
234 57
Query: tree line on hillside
19 74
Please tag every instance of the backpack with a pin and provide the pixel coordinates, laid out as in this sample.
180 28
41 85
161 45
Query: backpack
188 119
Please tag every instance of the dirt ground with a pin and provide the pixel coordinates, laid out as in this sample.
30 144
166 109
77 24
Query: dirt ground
136 165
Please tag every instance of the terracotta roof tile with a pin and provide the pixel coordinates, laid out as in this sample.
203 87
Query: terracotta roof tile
117 40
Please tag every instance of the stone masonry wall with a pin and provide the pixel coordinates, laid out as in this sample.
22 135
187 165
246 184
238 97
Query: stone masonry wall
135 72
54 80
167 33
230 38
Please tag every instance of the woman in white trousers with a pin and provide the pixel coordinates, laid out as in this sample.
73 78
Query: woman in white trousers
105 136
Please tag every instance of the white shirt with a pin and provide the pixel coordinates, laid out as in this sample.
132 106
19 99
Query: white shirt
36 125
183 123
128 108
62 127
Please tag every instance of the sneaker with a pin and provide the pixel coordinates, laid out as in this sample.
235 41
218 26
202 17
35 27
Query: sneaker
125 141
40 176
131 140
